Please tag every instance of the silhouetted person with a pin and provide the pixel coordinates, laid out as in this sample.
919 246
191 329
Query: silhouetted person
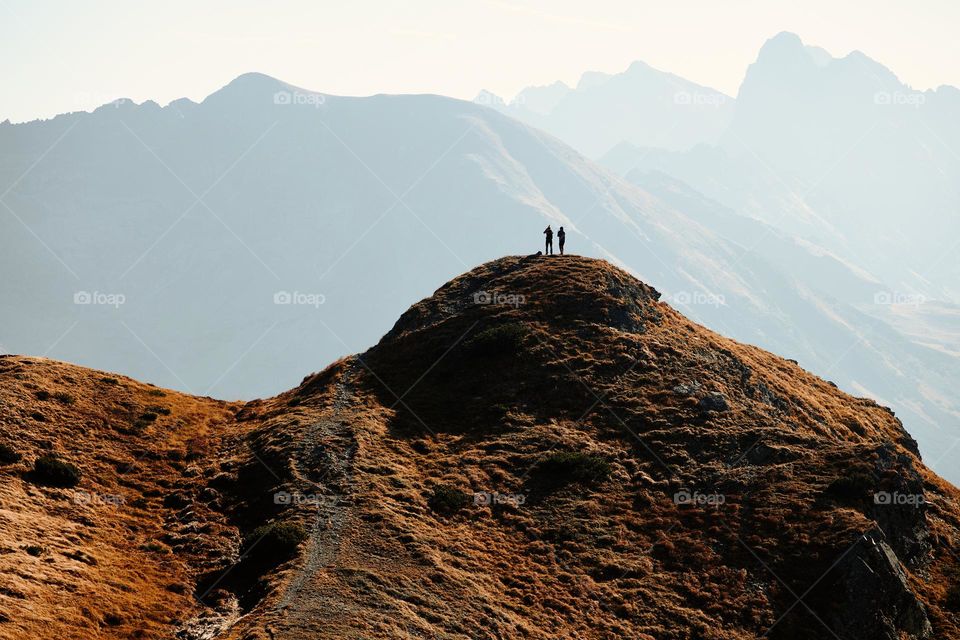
561 236
548 249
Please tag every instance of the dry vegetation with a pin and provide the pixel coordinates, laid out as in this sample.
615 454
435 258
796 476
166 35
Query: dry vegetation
583 411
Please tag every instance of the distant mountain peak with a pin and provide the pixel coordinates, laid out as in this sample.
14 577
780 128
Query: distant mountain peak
638 66
254 79
592 79
785 39
787 48
251 85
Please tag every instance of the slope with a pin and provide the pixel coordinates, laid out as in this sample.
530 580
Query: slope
543 449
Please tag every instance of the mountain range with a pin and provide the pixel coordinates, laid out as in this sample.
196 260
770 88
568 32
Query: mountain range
641 107
223 247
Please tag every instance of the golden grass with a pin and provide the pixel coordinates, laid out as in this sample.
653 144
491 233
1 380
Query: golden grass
591 363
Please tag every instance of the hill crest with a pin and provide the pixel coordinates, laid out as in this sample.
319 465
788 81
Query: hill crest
639 476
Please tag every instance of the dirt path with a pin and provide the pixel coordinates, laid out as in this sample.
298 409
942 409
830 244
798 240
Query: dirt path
323 475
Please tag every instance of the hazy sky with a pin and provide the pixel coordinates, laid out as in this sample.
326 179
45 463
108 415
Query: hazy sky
65 56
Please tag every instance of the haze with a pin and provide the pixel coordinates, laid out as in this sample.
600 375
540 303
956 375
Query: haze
88 55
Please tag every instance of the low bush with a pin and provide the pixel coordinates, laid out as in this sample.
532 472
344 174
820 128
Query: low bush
502 339
565 467
64 397
275 541
447 499
951 600
8 455
953 595
52 471
162 411
855 486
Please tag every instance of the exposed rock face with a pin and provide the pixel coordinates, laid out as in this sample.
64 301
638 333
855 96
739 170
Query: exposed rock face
541 449
877 601
714 402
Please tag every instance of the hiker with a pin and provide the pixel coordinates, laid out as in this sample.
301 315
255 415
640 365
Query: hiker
548 249
561 236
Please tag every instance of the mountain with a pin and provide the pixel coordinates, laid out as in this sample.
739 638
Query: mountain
225 247
542 445
641 106
900 339
841 152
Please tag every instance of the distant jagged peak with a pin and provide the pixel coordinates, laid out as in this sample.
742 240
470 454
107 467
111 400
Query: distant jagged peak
591 79
786 51
541 98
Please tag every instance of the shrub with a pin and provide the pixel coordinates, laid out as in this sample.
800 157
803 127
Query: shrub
496 413
177 587
113 619
275 541
64 397
953 594
854 486
156 392
139 425
499 340
148 416
52 471
564 467
34 550
163 411
42 395
8 455
447 499
109 381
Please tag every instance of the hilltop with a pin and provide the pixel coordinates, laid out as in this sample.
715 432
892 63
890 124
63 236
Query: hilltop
541 449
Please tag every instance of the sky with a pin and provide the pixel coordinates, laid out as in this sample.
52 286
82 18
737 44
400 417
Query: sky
66 56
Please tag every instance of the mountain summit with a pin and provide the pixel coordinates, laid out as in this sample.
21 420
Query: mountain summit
541 449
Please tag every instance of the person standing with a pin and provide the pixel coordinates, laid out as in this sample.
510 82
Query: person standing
561 236
548 248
